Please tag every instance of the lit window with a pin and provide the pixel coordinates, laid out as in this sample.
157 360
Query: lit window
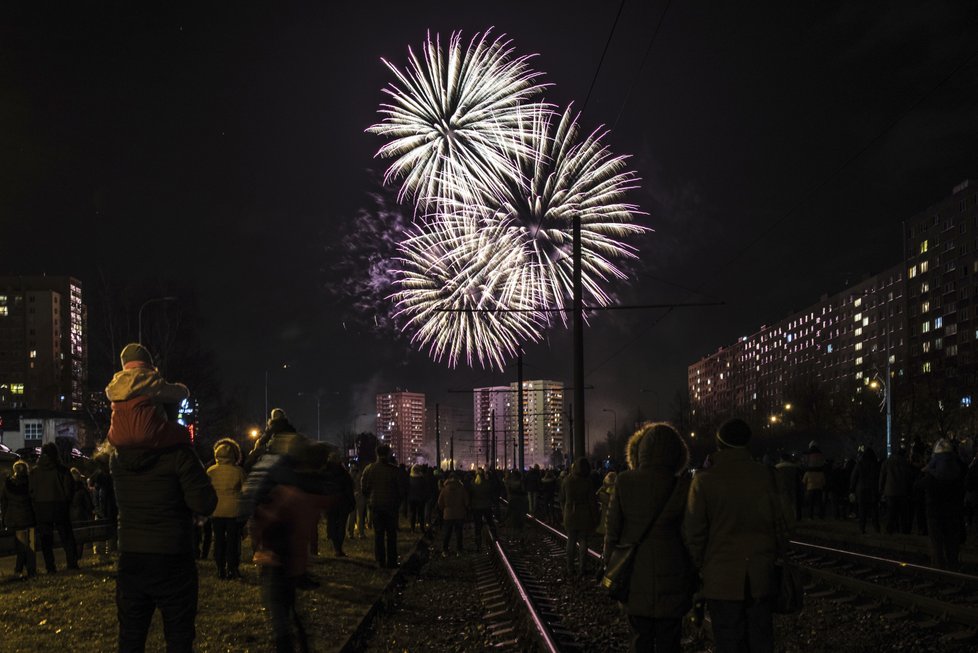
923 246
859 375
966 401
17 388
33 431
912 272
923 267
859 346
924 307
938 322
3 311
858 331
858 317
892 359
924 287
925 327
859 360
865 321
33 354
925 368
925 346
828 348
858 302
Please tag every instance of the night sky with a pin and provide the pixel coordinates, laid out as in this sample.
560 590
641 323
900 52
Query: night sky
780 148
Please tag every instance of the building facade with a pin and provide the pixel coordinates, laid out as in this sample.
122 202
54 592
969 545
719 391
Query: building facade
43 343
917 322
543 421
490 411
941 245
401 424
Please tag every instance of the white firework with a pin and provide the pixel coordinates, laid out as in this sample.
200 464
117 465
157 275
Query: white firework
561 176
454 119
462 292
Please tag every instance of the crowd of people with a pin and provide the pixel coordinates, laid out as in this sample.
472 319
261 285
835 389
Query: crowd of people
710 538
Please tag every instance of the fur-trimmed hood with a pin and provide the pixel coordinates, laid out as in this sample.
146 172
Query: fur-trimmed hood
226 450
631 449
658 444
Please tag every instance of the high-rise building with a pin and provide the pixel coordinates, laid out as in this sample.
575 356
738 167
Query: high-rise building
543 420
490 408
833 348
43 343
941 245
401 423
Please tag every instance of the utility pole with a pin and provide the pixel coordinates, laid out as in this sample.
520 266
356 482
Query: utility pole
492 419
579 444
889 400
519 408
451 451
570 431
437 437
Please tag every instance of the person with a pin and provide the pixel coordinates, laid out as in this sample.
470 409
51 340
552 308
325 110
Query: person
142 402
814 481
480 502
548 490
518 503
662 580
788 476
943 484
734 531
453 501
104 499
357 521
158 491
228 480
417 496
532 484
51 489
381 484
82 507
339 486
604 494
18 516
896 483
580 508
864 483
971 491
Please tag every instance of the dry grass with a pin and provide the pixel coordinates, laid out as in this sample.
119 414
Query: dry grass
75 611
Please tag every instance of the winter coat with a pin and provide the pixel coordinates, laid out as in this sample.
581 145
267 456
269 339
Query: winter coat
580 505
663 579
158 492
732 526
788 477
82 506
943 485
228 480
453 500
604 500
481 495
339 485
418 489
814 479
15 503
381 484
532 480
865 478
137 394
51 489
896 476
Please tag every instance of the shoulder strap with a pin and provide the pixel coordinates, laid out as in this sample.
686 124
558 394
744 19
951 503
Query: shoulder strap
655 518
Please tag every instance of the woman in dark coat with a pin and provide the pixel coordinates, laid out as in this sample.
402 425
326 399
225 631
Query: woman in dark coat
18 516
662 579
52 488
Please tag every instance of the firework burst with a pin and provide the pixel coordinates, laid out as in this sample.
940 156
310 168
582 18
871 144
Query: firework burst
461 292
453 121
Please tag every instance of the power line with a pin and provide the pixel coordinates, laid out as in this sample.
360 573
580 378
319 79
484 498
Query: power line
832 176
641 66
619 307
607 44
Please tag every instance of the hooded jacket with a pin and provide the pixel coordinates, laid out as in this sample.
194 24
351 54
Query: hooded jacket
138 393
732 526
158 492
580 503
227 477
453 500
662 575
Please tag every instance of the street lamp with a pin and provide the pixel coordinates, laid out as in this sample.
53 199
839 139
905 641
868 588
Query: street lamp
254 433
139 315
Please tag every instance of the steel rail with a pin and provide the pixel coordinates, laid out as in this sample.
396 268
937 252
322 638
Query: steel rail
542 630
897 564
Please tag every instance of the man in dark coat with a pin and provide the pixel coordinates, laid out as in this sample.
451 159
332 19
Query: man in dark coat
864 484
158 491
52 488
734 530
662 579
580 508
381 484
896 483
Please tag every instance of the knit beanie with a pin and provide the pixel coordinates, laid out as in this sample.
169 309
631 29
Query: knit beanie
135 352
943 446
734 433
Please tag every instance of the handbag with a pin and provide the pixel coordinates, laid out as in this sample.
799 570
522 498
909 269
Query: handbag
618 570
789 592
